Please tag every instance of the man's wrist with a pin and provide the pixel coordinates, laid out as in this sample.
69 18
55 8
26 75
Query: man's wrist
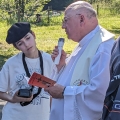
63 91
60 68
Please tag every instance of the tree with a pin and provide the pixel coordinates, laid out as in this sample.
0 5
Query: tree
21 9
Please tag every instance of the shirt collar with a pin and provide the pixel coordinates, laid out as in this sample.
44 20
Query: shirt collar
88 37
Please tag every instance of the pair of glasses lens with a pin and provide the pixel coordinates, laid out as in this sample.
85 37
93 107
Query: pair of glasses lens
64 21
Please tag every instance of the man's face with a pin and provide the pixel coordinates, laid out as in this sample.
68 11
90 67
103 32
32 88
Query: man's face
71 24
27 44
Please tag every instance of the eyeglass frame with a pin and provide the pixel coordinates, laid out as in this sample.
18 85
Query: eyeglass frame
64 21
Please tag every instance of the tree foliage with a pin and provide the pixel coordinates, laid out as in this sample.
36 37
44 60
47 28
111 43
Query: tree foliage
94 1
25 10
20 9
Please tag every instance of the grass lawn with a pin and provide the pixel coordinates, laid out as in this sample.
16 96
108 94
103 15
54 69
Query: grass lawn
47 37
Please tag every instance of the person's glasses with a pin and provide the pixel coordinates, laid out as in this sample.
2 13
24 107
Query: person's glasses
64 21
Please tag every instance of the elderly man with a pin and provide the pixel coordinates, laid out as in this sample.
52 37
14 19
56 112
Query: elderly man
83 80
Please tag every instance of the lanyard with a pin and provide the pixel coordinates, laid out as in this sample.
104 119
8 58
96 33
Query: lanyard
28 75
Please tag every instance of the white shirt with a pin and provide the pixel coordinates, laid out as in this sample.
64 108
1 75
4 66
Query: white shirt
13 77
92 96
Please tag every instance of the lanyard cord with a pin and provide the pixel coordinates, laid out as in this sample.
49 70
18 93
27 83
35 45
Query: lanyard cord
28 75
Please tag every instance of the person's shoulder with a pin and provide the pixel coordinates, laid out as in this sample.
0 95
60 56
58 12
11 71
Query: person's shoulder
117 42
115 53
116 45
14 58
47 60
106 46
109 42
45 55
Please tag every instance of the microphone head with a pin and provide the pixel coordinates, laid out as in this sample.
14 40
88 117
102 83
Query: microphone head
61 40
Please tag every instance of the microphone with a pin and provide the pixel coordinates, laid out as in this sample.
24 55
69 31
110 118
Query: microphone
60 46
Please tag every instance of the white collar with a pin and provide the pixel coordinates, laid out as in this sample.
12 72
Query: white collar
88 37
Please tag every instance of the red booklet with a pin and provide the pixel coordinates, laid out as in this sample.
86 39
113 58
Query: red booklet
40 81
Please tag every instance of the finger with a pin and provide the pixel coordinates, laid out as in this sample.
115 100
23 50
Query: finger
27 99
21 99
53 58
55 52
63 53
55 84
45 89
47 85
56 47
54 55
16 93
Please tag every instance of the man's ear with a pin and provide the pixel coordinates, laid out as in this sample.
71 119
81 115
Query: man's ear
81 18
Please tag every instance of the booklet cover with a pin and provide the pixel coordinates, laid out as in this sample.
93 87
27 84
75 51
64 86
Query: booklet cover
40 80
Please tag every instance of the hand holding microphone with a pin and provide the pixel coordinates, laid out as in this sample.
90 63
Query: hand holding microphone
60 47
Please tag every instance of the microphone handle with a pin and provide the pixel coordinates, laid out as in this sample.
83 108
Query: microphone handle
60 47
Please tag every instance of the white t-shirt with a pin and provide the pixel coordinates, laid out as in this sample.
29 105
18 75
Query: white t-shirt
13 77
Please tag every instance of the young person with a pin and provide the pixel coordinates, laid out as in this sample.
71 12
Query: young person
15 71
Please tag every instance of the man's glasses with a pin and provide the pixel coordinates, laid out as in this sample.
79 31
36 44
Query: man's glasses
64 21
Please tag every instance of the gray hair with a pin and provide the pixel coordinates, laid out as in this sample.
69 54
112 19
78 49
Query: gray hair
82 6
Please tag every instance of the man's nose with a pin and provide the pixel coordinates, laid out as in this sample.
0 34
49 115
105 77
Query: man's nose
63 25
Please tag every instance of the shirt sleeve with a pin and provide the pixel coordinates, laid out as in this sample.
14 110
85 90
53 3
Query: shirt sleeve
89 99
4 79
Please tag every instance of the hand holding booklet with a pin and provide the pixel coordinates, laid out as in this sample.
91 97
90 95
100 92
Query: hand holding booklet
40 81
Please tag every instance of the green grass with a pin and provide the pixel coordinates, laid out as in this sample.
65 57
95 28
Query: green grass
112 24
47 36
